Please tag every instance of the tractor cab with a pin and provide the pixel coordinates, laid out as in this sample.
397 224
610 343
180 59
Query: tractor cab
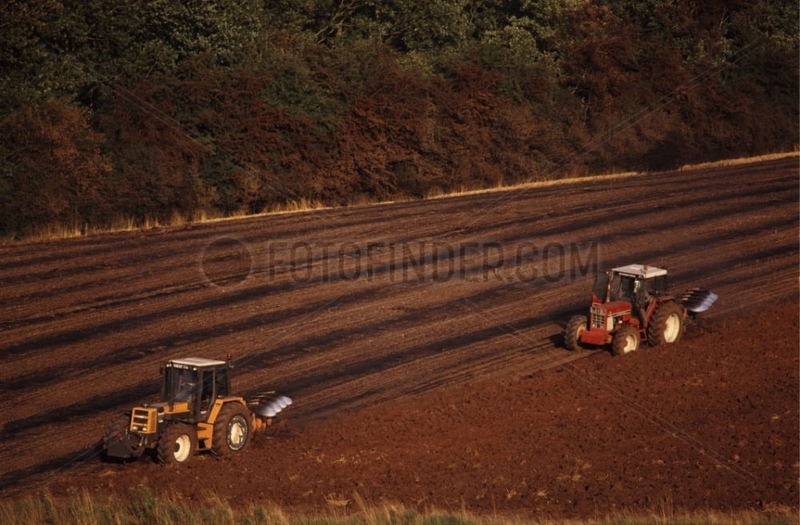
191 385
634 284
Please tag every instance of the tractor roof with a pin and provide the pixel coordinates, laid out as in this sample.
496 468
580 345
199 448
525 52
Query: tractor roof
640 270
196 362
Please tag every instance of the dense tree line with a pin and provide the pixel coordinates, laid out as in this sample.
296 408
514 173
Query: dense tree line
144 109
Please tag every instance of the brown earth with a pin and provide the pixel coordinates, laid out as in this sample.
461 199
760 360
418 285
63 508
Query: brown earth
420 342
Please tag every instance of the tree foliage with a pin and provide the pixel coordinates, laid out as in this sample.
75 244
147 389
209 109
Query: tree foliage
52 168
147 109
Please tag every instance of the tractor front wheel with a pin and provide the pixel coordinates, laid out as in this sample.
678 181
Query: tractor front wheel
177 444
666 325
231 430
117 443
575 327
625 341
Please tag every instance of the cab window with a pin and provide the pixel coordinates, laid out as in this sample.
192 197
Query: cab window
622 288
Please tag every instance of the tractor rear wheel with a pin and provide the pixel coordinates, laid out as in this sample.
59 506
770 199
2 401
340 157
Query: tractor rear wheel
625 341
575 327
231 430
116 430
177 444
666 325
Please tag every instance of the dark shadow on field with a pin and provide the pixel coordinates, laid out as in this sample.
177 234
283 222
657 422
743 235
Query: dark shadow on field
541 357
405 267
677 185
330 377
124 397
572 228
50 467
138 249
142 320
153 346
407 321
629 217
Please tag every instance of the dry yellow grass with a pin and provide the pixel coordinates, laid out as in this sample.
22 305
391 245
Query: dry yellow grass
736 162
619 175
145 507
306 205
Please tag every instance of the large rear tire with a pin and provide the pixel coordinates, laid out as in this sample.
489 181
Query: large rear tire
572 335
625 341
231 430
116 430
666 325
177 444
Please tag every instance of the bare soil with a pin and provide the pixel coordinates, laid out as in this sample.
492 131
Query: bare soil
421 344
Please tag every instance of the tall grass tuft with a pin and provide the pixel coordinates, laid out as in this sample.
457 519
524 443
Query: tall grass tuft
145 507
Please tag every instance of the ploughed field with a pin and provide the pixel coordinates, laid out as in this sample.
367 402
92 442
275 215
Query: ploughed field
420 342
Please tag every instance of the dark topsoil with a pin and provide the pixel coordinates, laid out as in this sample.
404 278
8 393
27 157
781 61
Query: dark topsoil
709 423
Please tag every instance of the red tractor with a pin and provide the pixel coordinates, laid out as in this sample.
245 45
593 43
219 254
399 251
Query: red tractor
631 304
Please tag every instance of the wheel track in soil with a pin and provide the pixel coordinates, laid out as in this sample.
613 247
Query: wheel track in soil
346 345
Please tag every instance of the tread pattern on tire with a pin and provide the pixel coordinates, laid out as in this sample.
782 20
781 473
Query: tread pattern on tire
571 340
166 443
220 445
657 325
619 342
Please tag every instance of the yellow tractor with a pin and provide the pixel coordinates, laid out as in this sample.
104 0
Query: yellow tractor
196 413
